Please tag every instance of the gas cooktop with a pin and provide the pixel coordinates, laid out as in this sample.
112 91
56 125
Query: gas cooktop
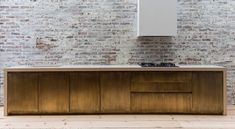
163 64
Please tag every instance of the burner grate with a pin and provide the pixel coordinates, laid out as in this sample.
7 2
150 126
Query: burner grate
158 65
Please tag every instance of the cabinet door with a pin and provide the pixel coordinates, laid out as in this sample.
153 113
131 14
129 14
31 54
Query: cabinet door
84 92
53 93
115 92
208 92
22 93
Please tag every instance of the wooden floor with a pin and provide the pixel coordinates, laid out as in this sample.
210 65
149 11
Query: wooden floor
121 121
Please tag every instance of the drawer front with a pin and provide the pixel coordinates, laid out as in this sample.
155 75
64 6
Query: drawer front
161 87
161 77
161 102
161 82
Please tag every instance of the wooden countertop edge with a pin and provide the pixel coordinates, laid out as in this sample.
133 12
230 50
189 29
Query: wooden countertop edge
69 69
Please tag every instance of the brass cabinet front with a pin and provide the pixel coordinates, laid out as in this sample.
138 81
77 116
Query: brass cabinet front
22 93
208 92
53 93
115 92
84 92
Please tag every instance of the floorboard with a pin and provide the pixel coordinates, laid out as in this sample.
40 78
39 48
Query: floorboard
120 121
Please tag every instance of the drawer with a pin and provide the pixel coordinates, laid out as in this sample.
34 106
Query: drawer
161 102
161 77
161 82
161 87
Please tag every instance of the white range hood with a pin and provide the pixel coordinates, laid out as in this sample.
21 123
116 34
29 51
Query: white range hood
157 18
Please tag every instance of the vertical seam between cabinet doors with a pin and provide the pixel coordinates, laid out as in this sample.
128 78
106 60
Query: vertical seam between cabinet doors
37 74
192 79
99 91
130 96
38 84
68 84
191 83
99 85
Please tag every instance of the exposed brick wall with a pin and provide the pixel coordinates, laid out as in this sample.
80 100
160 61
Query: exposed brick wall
73 32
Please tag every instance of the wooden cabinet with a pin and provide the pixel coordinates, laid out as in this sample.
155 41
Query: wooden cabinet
53 93
115 92
79 92
84 92
22 95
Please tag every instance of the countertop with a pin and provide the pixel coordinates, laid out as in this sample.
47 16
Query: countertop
113 68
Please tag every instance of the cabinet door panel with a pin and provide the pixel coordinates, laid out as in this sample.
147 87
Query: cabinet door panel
53 93
22 93
84 92
208 92
115 92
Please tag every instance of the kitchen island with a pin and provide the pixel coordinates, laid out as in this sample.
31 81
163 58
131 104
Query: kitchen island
115 89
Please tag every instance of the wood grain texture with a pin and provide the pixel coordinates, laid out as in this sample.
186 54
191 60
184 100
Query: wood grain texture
53 93
115 92
161 87
161 102
208 92
120 121
162 76
84 92
22 93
